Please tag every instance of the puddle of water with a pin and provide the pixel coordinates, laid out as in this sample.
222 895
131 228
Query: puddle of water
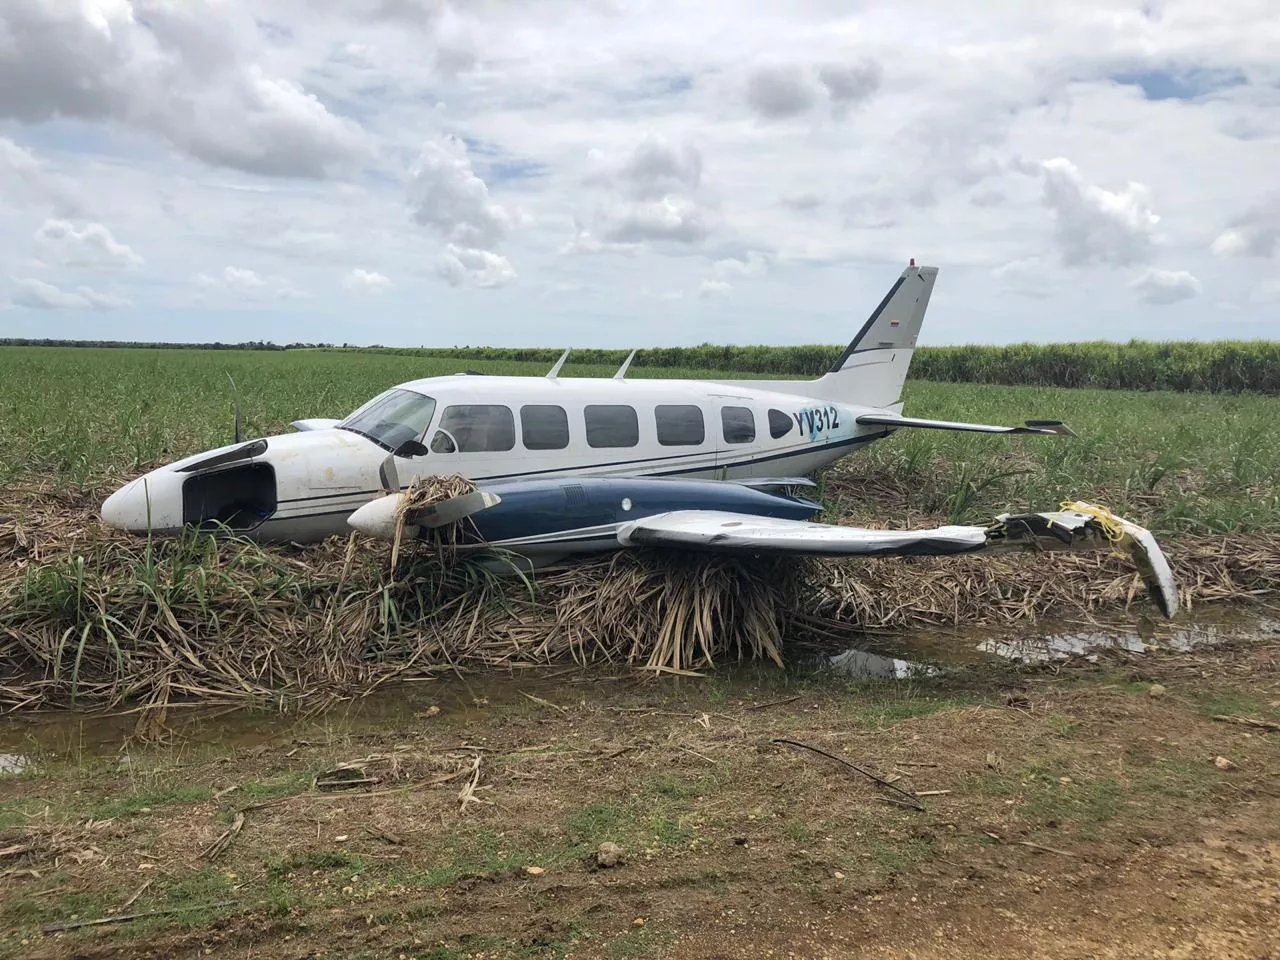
29 739
863 665
1091 644
931 652
73 736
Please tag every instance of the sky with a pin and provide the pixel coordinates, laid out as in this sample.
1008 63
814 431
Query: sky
632 173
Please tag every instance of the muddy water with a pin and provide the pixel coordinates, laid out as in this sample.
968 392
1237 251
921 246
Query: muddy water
933 652
69 736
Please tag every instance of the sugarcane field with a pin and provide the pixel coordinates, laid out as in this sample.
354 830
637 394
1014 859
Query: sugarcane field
212 744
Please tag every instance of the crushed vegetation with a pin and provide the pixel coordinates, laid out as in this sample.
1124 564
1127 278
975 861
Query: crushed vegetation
94 617
90 616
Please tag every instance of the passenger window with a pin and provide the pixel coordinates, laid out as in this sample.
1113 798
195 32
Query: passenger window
739 424
680 424
475 428
544 427
779 424
612 425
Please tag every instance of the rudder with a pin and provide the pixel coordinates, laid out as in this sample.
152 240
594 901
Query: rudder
873 367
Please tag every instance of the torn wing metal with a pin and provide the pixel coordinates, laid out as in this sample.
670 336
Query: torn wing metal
1083 526
1051 427
1087 529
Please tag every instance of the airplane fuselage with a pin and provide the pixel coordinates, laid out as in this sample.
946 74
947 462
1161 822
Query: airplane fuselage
303 486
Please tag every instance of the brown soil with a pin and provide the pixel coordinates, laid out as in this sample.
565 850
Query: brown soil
1086 817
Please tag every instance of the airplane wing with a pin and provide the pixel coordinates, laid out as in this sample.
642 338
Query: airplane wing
1056 427
742 533
1081 527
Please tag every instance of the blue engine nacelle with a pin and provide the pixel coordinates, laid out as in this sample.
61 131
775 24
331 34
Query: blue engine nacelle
583 509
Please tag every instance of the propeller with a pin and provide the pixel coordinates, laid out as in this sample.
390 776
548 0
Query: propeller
379 517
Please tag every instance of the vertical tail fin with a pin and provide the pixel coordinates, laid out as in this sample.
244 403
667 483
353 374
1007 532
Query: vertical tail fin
872 369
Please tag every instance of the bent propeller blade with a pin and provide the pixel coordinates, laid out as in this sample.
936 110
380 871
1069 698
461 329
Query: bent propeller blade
379 518
451 510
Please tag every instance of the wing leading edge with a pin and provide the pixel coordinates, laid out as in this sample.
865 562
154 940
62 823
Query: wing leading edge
1080 527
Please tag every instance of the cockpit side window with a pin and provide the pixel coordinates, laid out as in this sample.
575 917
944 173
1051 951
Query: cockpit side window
475 428
391 418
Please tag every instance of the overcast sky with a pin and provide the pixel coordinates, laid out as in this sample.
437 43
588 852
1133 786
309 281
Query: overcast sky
636 172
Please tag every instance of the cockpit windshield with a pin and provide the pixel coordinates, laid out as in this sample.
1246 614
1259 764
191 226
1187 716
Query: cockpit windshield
391 418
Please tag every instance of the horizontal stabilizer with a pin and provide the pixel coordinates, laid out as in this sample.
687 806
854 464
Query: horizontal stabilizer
1052 427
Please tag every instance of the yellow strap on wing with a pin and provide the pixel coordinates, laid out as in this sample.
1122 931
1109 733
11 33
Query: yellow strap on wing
1112 527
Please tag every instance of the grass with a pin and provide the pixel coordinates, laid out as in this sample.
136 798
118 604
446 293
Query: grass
145 801
78 420
1218 366
1181 461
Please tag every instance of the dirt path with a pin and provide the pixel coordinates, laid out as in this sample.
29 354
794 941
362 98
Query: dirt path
1082 815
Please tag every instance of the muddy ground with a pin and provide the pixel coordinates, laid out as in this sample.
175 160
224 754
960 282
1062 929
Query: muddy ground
1083 810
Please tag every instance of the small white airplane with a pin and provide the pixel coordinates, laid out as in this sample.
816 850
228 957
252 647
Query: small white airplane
587 464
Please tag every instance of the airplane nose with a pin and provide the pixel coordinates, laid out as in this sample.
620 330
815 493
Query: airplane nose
143 504
118 509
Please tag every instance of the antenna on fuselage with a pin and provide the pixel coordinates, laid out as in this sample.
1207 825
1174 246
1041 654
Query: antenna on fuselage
555 371
622 370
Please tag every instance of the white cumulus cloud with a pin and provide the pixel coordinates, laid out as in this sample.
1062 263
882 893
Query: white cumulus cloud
89 246
451 201
1162 287
1096 225
481 268
783 90
654 168
1256 234
38 295
183 71
447 197
366 281
243 284
653 196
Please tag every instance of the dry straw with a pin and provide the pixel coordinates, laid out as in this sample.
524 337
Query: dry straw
91 617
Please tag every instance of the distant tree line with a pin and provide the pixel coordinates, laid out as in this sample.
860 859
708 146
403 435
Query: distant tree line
148 345
1225 366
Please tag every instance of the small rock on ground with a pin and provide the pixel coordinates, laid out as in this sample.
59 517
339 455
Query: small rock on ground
609 854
